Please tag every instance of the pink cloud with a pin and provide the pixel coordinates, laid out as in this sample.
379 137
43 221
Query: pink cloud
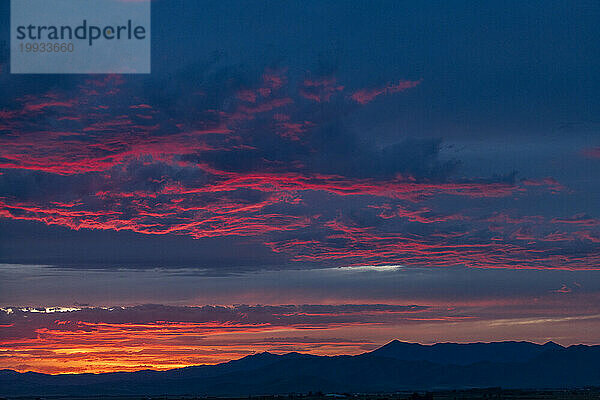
365 96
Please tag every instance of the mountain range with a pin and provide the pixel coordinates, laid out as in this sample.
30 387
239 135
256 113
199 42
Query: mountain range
397 366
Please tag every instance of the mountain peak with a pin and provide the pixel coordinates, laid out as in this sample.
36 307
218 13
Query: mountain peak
8 372
550 344
396 343
262 354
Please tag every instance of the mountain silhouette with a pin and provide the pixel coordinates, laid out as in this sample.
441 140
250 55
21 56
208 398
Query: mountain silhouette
393 367
464 354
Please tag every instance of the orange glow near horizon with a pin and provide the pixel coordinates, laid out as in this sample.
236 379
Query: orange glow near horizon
58 340
105 347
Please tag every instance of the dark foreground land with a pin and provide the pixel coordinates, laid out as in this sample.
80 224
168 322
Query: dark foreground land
396 367
470 394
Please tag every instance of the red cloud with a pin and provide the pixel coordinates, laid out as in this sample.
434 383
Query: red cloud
593 152
365 96
320 90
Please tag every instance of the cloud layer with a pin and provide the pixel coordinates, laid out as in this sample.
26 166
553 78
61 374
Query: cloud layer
270 159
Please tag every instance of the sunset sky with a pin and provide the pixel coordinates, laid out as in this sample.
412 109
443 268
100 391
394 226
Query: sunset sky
312 176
